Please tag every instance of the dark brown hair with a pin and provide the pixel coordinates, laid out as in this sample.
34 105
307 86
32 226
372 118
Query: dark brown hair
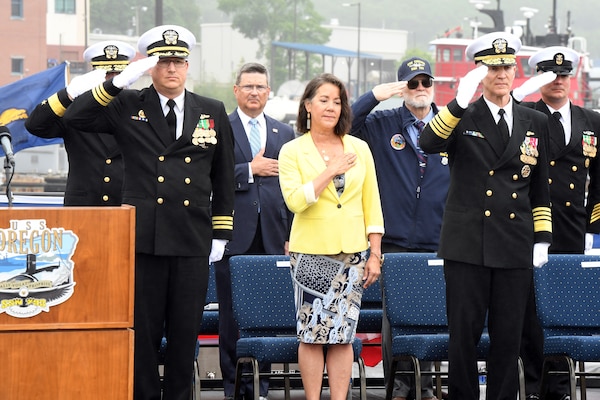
344 123
250 68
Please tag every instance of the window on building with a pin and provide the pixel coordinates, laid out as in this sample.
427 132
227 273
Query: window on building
16 67
64 6
16 8
445 55
457 54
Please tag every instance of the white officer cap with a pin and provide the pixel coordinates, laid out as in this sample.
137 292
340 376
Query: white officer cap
494 49
167 41
558 59
111 55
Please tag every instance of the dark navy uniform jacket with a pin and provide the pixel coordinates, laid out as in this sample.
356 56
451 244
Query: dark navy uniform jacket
95 163
498 202
182 190
412 207
569 166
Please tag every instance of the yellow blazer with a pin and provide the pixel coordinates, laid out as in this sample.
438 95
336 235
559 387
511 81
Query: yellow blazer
329 224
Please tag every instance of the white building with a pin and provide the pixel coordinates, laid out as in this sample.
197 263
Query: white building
224 50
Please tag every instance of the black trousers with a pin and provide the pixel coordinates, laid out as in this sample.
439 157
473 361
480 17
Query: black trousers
170 293
472 293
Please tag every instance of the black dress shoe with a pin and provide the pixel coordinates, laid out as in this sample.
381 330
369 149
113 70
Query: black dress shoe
533 396
558 396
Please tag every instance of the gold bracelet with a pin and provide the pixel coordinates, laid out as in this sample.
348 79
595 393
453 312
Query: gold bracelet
381 257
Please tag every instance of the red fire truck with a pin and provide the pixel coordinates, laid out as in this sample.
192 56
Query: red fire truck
451 63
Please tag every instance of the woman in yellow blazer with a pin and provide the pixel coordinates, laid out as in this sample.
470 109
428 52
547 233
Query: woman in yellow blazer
328 181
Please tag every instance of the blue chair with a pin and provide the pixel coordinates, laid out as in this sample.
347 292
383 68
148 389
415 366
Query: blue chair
568 305
210 316
415 292
263 306
371 310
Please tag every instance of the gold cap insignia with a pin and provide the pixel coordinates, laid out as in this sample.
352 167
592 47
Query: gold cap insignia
170 36
416 65
500 45
559 58
111 52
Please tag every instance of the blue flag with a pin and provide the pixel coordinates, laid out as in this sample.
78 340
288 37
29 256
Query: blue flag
18 99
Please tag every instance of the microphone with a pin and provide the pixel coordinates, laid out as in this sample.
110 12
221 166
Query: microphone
5 140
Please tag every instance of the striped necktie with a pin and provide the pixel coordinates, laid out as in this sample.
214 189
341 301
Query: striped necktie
254 137
421 155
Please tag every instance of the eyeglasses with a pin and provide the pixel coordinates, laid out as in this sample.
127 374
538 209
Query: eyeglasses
414 83
251 88
166 62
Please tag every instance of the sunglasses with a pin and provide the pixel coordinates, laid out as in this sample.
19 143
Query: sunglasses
414 83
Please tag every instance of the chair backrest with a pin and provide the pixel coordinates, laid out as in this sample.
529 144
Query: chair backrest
263 295
371 310
415 294
210 315
568 294
211 293
371 297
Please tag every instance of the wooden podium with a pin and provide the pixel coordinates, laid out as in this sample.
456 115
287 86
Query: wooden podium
81 348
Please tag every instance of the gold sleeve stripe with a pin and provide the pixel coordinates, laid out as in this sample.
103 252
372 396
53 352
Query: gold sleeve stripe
101 95
443 123
222 222
595 214
542 219
56 106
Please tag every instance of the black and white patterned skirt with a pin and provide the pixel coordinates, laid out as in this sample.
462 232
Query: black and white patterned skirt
328 292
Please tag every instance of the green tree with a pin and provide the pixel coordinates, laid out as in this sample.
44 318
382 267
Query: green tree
122 19
269 21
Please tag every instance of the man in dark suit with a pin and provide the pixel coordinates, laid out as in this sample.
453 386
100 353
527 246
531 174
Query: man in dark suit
178 152
262 221
95 163
572 157
497 221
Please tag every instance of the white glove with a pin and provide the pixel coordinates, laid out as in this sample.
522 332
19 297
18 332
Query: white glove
468 85
133 71
540 254
217 250
532 85
83 83
589 241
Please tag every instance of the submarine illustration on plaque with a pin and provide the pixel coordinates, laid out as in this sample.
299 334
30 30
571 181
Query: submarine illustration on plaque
34 288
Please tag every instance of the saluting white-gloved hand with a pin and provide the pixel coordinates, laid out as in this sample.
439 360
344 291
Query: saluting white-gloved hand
83 83
468 85
532 85
133 71
589 241
217 250
540 254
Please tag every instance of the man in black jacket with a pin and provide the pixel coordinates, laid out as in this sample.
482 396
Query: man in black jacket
572 156
497 221
178 151
95 163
